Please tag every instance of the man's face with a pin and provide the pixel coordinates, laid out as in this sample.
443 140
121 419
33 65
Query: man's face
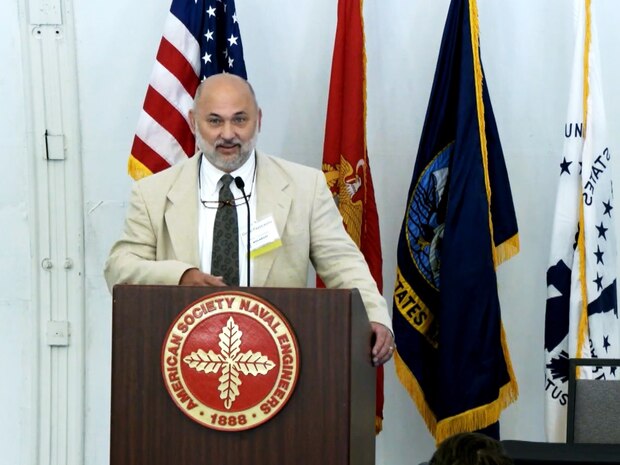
226 122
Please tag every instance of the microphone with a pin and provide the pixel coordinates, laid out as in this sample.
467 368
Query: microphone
241 186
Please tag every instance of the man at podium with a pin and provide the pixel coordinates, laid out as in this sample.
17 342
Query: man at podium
232 215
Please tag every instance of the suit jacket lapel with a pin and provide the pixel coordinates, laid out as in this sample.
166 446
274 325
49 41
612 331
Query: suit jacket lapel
181 214
272 199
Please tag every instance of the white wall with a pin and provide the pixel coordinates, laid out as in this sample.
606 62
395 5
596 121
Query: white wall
526 49
16 319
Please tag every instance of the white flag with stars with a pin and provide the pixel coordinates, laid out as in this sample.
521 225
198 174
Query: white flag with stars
581 318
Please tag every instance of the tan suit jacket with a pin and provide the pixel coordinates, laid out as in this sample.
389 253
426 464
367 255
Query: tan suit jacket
160 238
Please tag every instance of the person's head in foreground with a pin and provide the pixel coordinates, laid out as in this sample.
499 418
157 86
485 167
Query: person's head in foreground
470 449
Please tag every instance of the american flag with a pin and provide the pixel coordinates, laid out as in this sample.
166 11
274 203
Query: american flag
201 38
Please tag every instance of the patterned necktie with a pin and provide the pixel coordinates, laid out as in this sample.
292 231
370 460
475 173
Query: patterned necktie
225 255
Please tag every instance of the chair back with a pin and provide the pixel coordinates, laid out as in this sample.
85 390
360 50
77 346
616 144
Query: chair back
593 414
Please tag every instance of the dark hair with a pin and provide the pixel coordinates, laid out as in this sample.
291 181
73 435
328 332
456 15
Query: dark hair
470 449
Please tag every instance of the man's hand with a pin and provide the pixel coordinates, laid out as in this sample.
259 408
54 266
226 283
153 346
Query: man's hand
384 344
195 277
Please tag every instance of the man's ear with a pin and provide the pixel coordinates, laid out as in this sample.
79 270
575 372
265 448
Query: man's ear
192 122
260 118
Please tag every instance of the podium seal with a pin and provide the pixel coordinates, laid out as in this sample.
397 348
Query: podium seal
230 361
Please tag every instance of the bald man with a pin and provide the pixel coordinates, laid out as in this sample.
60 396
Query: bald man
168 233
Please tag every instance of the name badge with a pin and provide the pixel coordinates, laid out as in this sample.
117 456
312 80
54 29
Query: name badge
264 237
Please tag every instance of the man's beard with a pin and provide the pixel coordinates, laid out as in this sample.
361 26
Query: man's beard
226 163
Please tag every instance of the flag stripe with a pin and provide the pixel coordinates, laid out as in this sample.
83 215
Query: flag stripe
159 140
147 156
170 119
176 63
167 85
181 38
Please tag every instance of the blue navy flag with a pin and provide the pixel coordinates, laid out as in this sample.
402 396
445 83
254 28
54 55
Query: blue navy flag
459 226
581 319
201 38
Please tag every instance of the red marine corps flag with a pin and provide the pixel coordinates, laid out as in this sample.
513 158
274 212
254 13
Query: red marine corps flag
345 160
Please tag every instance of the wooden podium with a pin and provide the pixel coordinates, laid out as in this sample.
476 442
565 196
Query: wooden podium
329 418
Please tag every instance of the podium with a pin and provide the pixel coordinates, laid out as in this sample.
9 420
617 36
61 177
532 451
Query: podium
329 418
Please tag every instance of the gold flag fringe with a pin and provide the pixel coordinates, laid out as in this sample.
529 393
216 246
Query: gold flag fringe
378 424
583 328
471 420
479 417
507 249
477 66
410 383
136 169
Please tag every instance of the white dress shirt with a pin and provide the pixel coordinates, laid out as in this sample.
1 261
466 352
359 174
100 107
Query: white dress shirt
209 186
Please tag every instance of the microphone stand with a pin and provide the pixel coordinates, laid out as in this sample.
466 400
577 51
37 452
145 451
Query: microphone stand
241 186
